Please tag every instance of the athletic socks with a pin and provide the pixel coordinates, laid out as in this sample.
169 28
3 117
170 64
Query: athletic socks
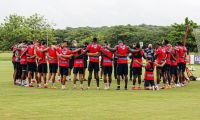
59 77
118 87
69 78
74 87
63 87
81 86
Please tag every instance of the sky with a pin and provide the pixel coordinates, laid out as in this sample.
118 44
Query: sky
96 13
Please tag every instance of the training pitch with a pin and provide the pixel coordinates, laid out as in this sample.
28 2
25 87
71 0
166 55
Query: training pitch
55 104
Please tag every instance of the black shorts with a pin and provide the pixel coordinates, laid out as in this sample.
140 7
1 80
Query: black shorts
107 70
71 63
85 63
14 66
53 67
42 68
122 69
166 68
32 66
63 70
137 71
181 67
101 64
24 67
78 70
173 70
17 65
93 66
148 83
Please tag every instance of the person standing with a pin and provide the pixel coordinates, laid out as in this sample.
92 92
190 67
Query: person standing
122 52
107 66
32 66
53 64
64 55
137 68
40 52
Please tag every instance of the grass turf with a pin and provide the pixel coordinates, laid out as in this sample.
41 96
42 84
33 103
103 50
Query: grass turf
54 104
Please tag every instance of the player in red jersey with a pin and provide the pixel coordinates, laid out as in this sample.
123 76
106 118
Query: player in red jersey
181 59
93 50
42 63
149 83
122 52
168 64
78 65
23 62
160 56
16 64
107 67
53 64
166 68
58 47
173 68
137 68
31 63
64 55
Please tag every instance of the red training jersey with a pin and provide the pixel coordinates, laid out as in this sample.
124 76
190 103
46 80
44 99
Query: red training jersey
52 55
173 61
93 48
64 62
137 57
78 62
13 50
161 54
122 50
107 61
23 60
149 75
181 52
30 53
41 55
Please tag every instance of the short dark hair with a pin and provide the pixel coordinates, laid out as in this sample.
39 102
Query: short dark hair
166 42
137 45
94 39
179 43
44 42
86 43
157 44
30 42
25 42
106 42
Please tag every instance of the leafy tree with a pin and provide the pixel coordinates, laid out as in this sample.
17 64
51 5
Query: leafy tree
177 33
17 28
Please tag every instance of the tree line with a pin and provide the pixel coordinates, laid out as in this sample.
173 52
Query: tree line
17 28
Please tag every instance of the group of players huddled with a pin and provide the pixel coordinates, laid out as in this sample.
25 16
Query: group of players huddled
31 62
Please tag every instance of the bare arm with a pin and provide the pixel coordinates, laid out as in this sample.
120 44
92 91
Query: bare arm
112 49
66 56
133 51
82 54
37 55
142 64
104 54
174 57
23 53
76 50
93 54
42 50
30 57
161 64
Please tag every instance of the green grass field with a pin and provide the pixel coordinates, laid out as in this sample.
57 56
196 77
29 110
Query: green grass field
18 103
